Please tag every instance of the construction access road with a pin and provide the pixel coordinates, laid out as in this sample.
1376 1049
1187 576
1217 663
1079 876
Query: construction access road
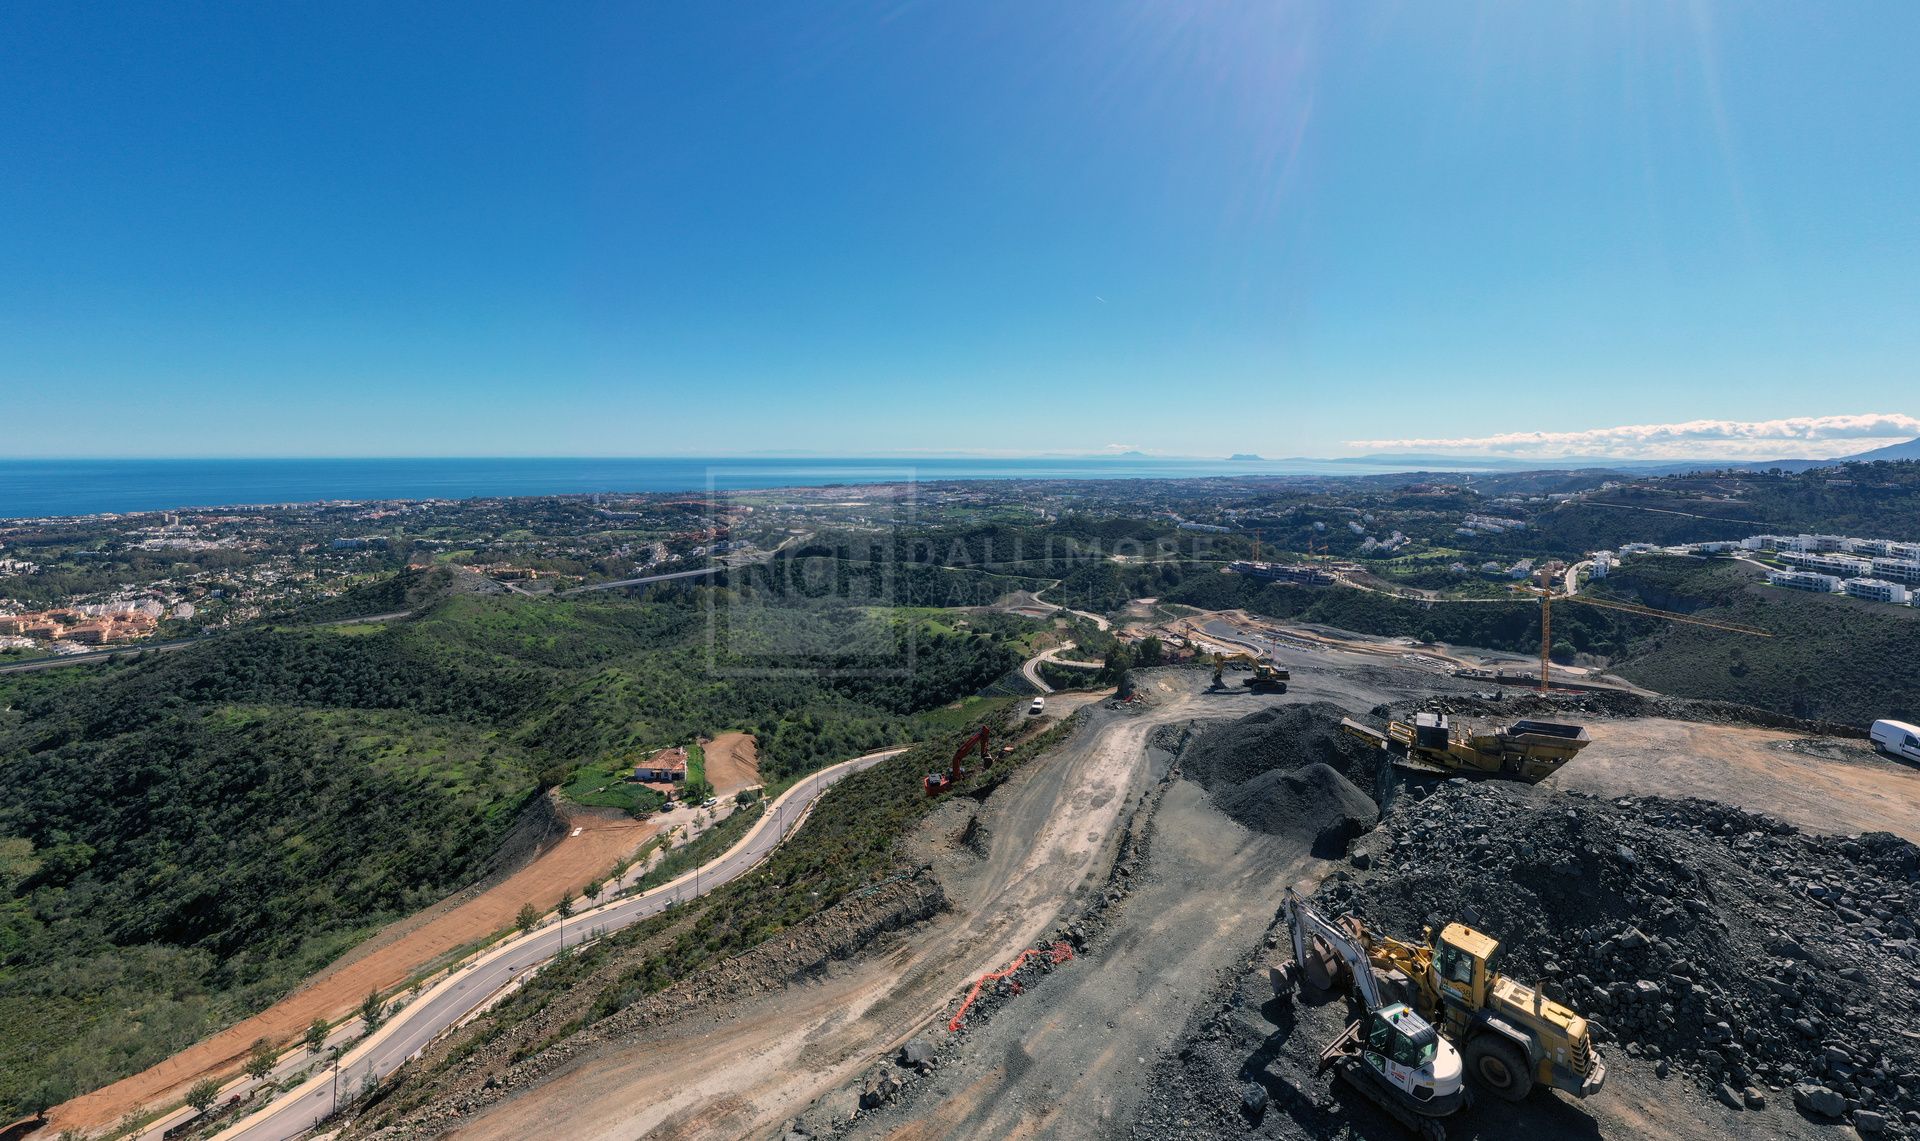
407 1032
1047 841
1059 843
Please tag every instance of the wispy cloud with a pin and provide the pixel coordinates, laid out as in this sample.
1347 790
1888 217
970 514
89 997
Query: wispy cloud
1815 437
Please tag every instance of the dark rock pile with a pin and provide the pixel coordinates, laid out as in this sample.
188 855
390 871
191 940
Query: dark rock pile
1733 950
1283 738
1314 803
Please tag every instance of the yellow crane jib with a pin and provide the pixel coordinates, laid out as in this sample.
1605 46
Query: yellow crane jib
1543 590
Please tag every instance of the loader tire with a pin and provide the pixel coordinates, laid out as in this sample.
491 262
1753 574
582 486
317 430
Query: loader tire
1500 1066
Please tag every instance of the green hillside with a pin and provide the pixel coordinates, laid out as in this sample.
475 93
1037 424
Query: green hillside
184 837
1830 657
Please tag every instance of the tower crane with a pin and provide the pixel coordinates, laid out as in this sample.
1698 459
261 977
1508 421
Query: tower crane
1544 591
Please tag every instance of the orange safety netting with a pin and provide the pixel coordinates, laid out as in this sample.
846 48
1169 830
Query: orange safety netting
1056 954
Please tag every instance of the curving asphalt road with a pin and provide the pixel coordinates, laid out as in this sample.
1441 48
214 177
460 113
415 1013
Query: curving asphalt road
411 1029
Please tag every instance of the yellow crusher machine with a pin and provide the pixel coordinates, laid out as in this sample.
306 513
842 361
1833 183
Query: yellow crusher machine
1527 750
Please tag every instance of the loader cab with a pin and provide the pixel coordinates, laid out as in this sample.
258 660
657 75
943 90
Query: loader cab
1463 965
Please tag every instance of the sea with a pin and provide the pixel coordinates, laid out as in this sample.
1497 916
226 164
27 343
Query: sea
37 488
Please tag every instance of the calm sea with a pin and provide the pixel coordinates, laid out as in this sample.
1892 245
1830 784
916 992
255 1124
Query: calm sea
35 488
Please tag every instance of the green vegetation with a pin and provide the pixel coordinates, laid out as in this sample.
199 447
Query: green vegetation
708 846
1830 657
184 837
608 783
849 844
1835 658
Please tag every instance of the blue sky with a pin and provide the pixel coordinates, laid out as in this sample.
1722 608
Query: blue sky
851 228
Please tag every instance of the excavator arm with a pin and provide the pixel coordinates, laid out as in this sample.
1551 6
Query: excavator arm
1315 938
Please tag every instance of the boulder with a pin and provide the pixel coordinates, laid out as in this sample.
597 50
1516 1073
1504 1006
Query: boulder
1819 1100
1253 1102
918 1054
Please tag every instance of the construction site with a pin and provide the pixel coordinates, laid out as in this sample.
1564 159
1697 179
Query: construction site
1336 892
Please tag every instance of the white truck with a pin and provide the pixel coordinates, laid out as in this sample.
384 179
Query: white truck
1897 739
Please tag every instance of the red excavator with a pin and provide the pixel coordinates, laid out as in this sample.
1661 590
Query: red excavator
938 783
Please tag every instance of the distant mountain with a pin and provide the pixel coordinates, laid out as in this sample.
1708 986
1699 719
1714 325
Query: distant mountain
1907 451
1245 458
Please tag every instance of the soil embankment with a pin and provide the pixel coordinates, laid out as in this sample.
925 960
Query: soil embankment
733 763
389 957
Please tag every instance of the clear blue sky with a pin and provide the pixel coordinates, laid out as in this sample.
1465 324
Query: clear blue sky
849 228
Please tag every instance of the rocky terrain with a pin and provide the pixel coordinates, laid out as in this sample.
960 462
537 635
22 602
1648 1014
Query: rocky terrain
1743 977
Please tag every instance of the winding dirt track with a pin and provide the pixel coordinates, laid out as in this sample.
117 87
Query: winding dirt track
1051 831
385 961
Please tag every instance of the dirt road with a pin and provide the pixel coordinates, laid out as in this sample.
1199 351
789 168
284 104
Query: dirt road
1049 833
384 961
1846 790
1069 1057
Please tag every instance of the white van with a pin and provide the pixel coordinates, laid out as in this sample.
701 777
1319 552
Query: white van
1897 738
1039 703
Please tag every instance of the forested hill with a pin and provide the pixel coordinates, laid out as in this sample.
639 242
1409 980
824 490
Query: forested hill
184 837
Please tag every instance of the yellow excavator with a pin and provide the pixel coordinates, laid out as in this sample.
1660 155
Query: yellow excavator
1266 677
1526 750
1509 1035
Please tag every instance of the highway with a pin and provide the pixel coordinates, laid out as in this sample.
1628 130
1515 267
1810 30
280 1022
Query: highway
409 1031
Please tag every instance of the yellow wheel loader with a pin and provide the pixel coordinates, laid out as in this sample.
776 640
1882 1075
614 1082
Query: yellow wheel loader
1510 1036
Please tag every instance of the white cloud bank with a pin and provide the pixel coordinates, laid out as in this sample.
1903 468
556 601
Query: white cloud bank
1810 437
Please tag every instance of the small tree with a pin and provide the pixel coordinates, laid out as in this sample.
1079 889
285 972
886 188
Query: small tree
527 919
592 890
371 1010
1152 653
260 1062
316 1038
203 1094
566 904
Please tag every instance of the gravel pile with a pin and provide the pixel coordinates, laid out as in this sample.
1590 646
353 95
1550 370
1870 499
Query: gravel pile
1513 702
1314 801
1282 738
1741 955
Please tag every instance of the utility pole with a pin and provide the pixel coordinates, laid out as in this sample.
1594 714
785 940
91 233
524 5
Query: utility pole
336 1081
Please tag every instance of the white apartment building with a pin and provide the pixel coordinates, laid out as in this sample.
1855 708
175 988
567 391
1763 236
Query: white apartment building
1845 565
1804 580
1899 570
1878 590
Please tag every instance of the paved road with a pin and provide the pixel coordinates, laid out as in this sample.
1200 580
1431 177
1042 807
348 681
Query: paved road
1031 667
701 572
410 1030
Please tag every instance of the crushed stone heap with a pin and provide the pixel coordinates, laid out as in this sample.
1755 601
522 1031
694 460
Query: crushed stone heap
1735 950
